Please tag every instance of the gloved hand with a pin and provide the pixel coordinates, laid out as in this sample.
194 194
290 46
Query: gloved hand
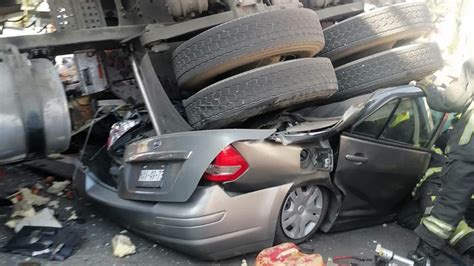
452 98
424 84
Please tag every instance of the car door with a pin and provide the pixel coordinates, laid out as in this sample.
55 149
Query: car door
382 157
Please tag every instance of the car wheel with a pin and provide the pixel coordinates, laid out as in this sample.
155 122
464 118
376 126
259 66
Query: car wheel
381 27
390 68
301 214
261 90
256 39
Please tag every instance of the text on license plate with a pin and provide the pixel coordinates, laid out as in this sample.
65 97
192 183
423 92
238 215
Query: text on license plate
151 175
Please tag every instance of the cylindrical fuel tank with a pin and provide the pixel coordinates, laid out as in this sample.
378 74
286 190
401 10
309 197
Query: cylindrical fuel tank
34 115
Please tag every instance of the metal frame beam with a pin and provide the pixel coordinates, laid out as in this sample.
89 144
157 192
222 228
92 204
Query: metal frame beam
113 37
164 116
70 41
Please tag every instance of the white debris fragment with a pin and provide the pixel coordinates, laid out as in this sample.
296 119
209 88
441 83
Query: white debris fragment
45 217
155 245
38 186
122 246
375 241
12 223
58 187
23 209
123 232
244 263
68 208
384 225
54 204
33 199
73 216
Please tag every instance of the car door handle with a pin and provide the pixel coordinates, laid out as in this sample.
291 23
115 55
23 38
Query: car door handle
358 158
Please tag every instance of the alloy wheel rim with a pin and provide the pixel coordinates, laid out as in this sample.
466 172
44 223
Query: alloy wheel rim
301 211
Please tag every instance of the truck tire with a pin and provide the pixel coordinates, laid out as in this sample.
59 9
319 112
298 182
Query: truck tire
256 39
379 28
390 68
261 90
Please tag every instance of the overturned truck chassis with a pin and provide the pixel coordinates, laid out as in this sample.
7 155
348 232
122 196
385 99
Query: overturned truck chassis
144 29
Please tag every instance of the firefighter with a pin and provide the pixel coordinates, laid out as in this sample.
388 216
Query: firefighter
438 228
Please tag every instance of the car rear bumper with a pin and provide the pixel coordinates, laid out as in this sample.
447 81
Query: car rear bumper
211 225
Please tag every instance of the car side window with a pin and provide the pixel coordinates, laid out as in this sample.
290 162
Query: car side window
429 121
406 121
374 123
403 124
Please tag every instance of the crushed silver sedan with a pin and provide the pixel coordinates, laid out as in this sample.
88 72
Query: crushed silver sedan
219 193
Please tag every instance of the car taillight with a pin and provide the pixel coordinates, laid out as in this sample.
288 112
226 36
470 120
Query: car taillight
227 166
119 129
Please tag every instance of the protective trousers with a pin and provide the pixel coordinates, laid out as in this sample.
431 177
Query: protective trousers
458 186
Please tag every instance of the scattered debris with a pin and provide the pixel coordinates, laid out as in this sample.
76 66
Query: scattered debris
244 263
58 187
123 232
49 179
330 262
68 208
12 223
17 198
38 186
55 156
32 198
44 218
287 254
73 216
70 194
28 195
122 246
155 245
54 204
44 242
23 209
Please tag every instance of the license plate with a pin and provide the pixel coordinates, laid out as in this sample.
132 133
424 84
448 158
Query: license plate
155 175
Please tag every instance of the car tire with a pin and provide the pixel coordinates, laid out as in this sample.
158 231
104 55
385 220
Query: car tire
290 233
395 67
252 40
382 27
261 90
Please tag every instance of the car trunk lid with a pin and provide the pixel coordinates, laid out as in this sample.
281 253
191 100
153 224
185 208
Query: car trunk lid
168 168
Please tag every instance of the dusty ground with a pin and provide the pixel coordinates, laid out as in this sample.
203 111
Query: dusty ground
96 249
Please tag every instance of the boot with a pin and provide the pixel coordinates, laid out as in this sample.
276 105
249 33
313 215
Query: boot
462 239
426 254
